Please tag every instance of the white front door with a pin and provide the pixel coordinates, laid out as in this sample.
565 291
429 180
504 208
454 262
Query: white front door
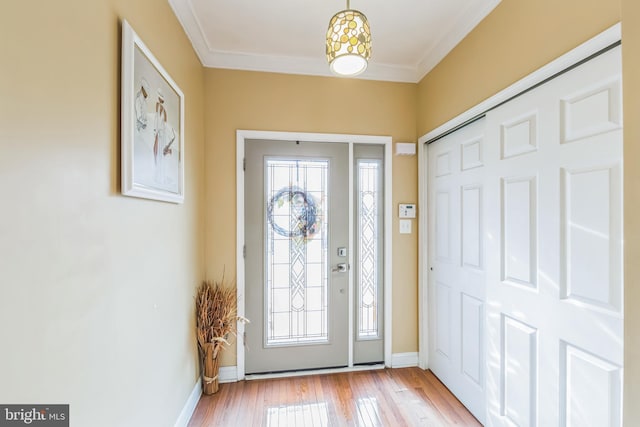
296 263
457 264
553 163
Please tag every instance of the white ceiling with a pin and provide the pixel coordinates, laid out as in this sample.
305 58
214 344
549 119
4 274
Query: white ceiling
409 37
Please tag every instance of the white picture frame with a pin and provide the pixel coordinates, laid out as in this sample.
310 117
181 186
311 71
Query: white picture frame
152 125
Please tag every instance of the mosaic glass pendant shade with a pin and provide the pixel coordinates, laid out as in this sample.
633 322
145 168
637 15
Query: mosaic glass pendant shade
348 42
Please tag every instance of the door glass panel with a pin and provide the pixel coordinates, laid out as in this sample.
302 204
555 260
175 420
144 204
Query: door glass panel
296 248
368 196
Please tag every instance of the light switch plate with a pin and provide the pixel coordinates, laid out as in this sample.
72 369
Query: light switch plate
405 226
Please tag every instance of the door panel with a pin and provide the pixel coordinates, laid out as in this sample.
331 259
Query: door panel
548 207
472 336
296 217
554 223
519 366
457 259
589 205
520 251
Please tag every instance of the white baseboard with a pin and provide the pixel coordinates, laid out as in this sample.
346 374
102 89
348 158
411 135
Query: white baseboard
228 374
404 360
189 406
314 372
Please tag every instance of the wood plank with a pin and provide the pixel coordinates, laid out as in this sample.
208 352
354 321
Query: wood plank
390 397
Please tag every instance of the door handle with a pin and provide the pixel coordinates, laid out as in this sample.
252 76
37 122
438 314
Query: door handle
340 268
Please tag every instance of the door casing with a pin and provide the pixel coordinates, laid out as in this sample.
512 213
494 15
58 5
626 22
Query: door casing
386 141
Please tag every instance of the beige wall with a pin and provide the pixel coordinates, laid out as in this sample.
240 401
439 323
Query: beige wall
631 81
517 38
278 102
96 289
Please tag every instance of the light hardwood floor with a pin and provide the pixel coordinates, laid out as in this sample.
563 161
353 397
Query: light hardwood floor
388 397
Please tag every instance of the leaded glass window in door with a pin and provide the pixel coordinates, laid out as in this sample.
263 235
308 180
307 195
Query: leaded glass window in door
296 251
368 247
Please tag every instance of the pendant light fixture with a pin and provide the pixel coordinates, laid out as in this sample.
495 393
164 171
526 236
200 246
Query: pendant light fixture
348 42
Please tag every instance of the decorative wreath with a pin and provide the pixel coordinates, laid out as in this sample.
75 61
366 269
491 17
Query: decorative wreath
303 210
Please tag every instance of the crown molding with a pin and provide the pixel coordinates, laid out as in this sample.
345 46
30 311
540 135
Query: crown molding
212 58
302 65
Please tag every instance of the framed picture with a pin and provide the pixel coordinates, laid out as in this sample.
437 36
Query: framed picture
152 125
